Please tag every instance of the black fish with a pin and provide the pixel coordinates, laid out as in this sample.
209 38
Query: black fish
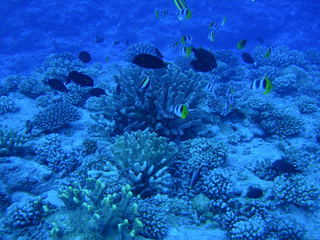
84 56
283 166
158 53
247 58
254 192
96 92
118 89
57 85
149 61
99 39
80 79
205 61
116 43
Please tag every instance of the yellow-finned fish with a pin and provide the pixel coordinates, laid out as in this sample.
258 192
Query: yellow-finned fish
268 52
211 36
187 39
241 44
174 44
185 51
157 13
184 14
181 111
107 59
263 85
180 4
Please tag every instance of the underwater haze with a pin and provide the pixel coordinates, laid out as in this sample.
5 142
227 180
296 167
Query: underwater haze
173 120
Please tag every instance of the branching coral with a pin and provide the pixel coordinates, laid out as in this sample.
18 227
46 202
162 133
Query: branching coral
102 215
144 158
32 86
137 109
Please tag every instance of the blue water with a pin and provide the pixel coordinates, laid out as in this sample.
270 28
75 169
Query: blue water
67 158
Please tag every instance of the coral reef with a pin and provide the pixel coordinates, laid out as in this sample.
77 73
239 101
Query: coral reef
144 157
27 214
136 109
296 190
280 57
101 214
154 220
12 141
217 184
50 152
307 105
55 116
7 104
32 86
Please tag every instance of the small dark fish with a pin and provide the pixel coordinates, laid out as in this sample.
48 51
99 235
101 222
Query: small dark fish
205 60
57 85
254 192
195 176
99 39
118 89
283 166
79 78
149 61
260 40
29 126
247 58
158 53
84 56
241 44
96 92
116 43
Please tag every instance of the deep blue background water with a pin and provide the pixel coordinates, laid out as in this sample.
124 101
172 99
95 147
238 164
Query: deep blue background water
30 30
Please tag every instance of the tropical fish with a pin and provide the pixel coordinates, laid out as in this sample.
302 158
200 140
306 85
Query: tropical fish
185 51
161 13
241 44
57 85
213 25
107 59
224 20
99 38
117 42
264 85
80 78
247 58
211 36
84 56
187 39
195 176
180 4
205 61
96 92
174 44
184 14
118 89
145 82
149 61
158 53
181 111
268 53
282 166
254 192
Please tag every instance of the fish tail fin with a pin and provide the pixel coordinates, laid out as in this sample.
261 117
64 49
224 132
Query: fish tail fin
268 86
